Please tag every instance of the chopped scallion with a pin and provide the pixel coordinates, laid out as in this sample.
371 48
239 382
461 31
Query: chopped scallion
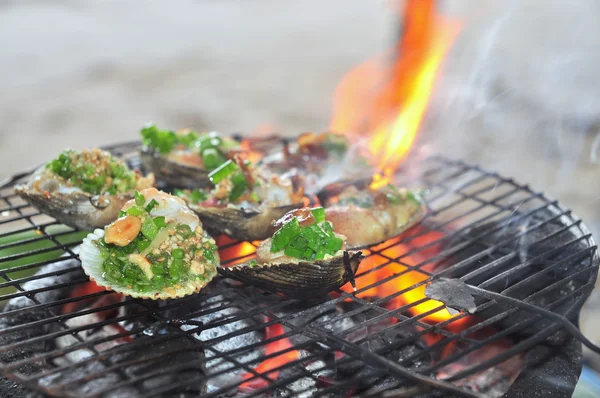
319 214
222 171
140 200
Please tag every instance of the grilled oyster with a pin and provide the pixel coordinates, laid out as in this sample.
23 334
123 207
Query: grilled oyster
245 201
157 249
371 216
83 189
318 159
305 257
184 158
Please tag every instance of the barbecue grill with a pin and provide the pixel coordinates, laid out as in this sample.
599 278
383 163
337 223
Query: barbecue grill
488 244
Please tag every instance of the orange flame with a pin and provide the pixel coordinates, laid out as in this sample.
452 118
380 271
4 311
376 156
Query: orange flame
376 268
266 367
388 101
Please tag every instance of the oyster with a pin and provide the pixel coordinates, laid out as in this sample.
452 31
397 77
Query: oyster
305 257
315 160
157 249
183 159
371 216
245 202
83 189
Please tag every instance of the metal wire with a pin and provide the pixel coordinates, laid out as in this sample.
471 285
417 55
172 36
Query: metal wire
512 246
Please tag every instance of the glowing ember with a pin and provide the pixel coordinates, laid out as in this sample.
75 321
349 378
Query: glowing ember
84 289
388 102
266 367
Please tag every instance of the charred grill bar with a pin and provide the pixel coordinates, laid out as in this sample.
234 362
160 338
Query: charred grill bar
482 229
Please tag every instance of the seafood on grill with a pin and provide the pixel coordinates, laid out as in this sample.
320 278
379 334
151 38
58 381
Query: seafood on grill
83 189
304 257
369 216
244 201
157 249
315 159
183 159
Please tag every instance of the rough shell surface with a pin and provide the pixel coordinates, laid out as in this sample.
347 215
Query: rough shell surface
240 223
302 279
76 209
171 173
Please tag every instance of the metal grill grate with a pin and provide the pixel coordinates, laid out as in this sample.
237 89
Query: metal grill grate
486 230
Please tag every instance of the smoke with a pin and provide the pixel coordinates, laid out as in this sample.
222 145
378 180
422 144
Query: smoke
518 95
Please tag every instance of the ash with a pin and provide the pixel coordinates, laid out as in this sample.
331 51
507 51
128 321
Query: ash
210 333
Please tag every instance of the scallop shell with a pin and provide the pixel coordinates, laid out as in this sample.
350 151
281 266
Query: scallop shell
240 223
171 173
91 262
301 279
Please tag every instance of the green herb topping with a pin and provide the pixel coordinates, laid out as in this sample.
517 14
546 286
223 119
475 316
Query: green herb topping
196 196
335 143
162 255
368 199
230 183
210 147
307 242
96 172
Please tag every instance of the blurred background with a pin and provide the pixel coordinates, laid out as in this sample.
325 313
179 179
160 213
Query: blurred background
519 92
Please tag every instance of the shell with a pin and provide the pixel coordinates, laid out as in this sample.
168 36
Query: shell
365 227
301 279
241 223
71 207
91 262
171 173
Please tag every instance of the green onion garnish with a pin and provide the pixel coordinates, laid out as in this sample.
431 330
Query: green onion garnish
319 214
222 171
140 200
212 158
285 235
312 242
153 203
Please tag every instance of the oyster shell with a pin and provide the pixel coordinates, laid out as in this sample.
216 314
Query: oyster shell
69 204
247 213
241 223
171 172
368 217
178 158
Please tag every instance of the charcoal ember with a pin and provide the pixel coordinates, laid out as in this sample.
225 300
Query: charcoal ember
145 357
522 266
137 315
410 354
65 272
213 310
298 386
23 316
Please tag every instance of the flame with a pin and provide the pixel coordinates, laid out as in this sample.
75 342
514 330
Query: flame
376 268
266 367
233 252
388 100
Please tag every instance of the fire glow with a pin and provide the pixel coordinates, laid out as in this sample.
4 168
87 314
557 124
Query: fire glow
266 367
399 276
387 101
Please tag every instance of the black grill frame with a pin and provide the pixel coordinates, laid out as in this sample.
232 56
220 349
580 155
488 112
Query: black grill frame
452 183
